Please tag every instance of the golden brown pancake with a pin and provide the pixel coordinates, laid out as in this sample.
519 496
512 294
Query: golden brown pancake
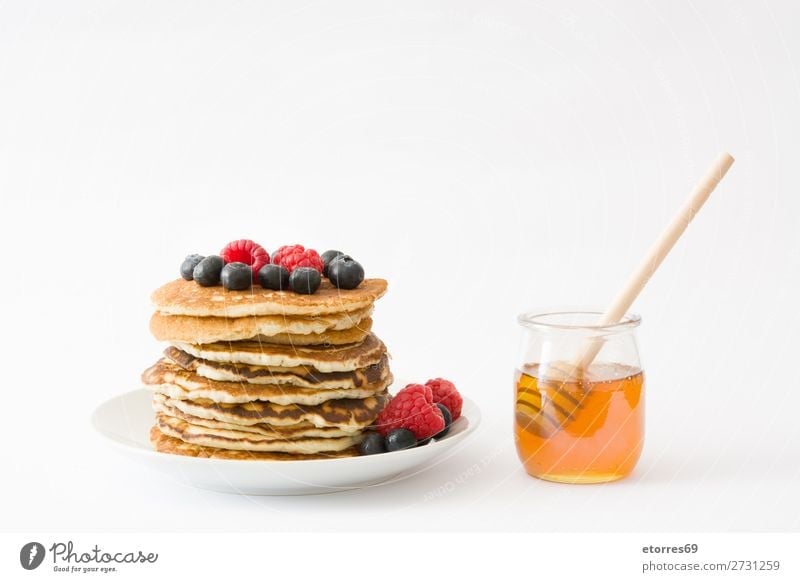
206 330
301 429
324 359
298 376
349 414
244 441
269 375
334 337
174 446
181 297
165 377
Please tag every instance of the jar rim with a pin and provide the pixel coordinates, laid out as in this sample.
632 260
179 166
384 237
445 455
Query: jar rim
538 319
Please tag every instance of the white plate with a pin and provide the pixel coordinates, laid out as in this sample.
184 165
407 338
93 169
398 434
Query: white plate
126 420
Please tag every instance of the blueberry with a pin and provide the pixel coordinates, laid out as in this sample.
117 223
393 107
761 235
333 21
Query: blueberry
237 276
207 271
372 444
188 265
400 438
342 257
345 272
327 258
304 280
274 277
448 420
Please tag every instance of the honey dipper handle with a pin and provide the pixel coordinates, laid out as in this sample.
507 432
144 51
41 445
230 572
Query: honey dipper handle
656 254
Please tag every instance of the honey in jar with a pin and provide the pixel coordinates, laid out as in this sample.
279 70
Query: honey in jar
586 429
573 423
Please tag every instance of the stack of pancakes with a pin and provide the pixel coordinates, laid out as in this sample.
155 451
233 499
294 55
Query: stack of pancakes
262 374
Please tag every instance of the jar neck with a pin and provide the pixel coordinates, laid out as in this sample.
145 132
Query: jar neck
583 322
564 336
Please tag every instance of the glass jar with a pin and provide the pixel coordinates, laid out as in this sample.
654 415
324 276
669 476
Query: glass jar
577 423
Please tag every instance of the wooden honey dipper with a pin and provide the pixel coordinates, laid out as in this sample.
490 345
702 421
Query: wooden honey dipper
566 404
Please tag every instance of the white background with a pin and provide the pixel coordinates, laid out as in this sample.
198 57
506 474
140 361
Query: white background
486 158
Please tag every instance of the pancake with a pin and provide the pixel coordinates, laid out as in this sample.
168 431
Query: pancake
181 297
167 378
190 362
174 446
334 337
348 414
205 330
299 376
242 441
301 429
324 359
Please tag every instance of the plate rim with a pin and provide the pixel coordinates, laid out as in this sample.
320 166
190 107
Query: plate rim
473 421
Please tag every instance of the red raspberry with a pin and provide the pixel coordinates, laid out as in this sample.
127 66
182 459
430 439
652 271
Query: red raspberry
412 408
292 256
444 392
247 252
